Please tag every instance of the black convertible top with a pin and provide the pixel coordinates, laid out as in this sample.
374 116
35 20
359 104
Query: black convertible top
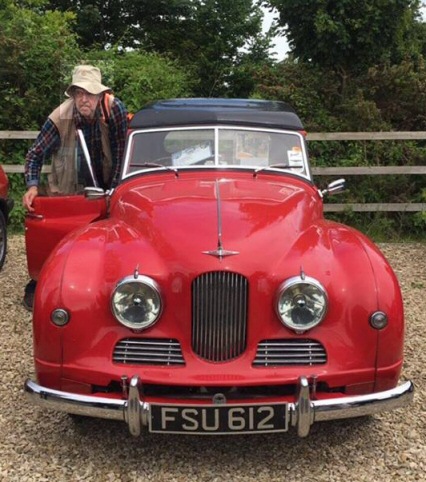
189 112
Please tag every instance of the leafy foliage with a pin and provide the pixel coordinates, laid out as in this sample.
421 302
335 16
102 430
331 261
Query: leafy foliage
36 52
399 93
211 39
138 78
140 23
346 35
311 91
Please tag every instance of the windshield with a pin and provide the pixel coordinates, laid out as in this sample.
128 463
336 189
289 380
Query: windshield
216 146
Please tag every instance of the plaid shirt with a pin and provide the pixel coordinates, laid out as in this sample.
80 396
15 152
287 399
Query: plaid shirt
48 141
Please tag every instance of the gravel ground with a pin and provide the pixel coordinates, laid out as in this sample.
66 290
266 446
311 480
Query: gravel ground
49 446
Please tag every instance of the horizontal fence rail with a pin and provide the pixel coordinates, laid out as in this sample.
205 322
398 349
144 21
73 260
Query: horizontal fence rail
316 171
312 136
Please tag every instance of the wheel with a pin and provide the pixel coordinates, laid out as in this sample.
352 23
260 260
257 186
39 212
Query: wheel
3 239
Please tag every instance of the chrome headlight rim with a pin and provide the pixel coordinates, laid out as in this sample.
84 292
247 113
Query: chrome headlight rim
151 285
291 283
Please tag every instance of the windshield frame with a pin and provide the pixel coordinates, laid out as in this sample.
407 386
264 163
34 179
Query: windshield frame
305 173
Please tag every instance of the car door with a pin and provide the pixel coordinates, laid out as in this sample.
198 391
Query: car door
52 219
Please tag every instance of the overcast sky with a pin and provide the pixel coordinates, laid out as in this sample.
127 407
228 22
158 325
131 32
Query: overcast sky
281 46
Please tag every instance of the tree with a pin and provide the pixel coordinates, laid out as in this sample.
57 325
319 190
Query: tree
399 92
212 43
211 39
145 23
306 87
39 50
347 36
37 53
138 77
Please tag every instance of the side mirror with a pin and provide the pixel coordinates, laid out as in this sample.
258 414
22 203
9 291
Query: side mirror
339 185
95 193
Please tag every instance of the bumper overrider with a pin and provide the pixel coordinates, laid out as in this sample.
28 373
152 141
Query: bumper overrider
239 418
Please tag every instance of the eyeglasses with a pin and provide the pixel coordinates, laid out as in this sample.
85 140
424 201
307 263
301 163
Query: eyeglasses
80 93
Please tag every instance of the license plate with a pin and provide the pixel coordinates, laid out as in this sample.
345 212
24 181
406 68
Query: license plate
218 419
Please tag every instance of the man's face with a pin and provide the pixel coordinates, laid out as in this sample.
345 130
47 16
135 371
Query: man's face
85 102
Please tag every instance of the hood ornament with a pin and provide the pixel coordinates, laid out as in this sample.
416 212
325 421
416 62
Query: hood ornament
219 252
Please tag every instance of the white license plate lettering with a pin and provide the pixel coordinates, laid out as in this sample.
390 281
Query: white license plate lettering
210 420
189 415
236 420
218 419
268 413
168 414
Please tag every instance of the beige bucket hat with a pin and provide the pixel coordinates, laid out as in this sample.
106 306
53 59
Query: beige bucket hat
87 77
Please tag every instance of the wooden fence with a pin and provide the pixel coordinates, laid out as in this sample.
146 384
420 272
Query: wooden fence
320 171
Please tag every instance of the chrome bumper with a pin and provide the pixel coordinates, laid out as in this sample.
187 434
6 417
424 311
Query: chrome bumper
303 413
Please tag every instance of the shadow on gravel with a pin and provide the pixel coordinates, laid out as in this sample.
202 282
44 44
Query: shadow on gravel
115 432
219 454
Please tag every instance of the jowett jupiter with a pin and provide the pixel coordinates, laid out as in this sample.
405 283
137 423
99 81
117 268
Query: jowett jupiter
207 293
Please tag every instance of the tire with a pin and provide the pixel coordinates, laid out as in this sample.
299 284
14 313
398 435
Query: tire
3 239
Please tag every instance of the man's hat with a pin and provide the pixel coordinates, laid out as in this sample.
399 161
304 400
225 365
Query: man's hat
88 78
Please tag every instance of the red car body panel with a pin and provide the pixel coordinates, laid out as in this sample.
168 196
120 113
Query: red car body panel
52 219
147 229
4 184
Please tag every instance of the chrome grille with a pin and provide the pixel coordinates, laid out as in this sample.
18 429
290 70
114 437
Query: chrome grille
153 351
219 315
289 352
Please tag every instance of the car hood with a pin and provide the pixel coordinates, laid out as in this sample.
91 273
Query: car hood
219 216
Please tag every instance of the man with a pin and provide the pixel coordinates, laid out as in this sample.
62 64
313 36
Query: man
102 118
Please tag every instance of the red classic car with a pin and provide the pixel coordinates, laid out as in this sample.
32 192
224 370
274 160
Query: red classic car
207 293
6 205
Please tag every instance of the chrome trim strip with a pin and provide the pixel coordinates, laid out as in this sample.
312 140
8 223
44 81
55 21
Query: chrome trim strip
304 412
219 252
216 127
289 352
34 215
87 156
142 351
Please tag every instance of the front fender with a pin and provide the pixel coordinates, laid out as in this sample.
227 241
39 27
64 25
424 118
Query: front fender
374 286
359 281
389 300
79 276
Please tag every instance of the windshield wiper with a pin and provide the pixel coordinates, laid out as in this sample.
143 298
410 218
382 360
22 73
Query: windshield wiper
275 166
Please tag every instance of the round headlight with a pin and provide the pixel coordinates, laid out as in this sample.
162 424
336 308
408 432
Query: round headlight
136 302
301 303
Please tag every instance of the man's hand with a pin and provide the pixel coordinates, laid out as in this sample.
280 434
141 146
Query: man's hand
27 200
